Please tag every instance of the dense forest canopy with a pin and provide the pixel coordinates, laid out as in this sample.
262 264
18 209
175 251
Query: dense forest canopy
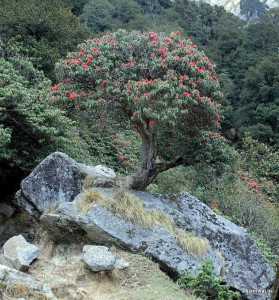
246 54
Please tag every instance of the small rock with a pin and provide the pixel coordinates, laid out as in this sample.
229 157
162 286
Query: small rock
6 210
20 253
98 171
98 258
121 264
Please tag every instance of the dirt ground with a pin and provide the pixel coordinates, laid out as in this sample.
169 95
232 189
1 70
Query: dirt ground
62 268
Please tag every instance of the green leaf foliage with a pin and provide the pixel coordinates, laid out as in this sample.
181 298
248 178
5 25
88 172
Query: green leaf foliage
46 29
149 83
206 284
30 128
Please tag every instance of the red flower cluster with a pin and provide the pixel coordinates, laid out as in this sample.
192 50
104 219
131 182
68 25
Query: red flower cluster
214 204
73 95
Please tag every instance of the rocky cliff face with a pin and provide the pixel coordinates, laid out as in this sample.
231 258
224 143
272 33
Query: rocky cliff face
245 9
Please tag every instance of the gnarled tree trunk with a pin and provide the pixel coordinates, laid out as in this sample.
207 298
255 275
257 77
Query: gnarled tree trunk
149 169
275 289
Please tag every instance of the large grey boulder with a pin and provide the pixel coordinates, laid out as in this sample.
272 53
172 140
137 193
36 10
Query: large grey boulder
245 267
58 178
100 226
19 253
98 258
17 284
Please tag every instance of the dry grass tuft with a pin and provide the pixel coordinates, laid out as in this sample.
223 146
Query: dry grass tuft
90 198
132 209
192 244
88 182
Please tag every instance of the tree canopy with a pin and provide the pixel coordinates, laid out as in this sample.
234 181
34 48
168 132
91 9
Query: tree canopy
162 87
46 29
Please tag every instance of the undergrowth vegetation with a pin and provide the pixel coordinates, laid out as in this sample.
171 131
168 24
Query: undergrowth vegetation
206 284
132 209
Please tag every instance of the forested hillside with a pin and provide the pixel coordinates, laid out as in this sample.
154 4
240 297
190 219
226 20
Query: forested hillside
42 68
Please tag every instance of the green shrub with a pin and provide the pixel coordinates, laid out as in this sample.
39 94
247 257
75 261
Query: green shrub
266 250
206 284
262 161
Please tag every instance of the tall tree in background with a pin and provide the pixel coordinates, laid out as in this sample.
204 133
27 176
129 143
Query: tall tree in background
47 29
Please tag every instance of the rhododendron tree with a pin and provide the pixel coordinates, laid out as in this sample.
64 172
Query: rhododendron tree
160 86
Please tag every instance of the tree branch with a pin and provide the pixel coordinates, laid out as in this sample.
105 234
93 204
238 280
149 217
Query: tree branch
177 161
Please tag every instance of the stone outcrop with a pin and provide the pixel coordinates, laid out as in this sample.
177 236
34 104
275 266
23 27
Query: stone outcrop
231 249
19 253
233 6
58 181
97 171
58 178
20 285
100 226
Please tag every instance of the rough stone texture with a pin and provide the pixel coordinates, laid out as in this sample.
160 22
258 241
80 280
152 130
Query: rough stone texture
5 262
19 253
100 226
20 223
28 206
30 288
233 6
103 182
245 267
98 258
58 178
